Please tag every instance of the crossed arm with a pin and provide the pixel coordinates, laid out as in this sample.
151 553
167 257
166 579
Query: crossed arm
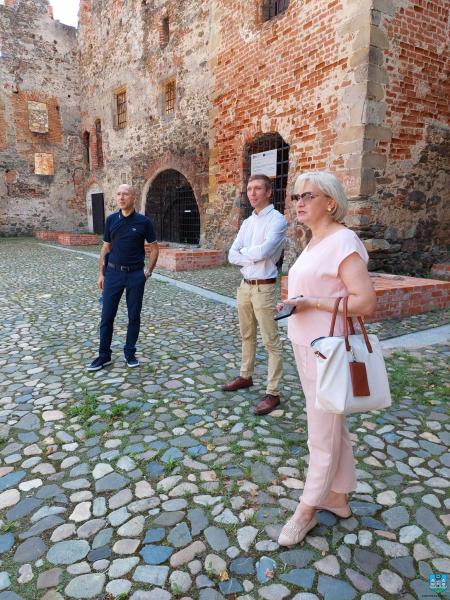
243 256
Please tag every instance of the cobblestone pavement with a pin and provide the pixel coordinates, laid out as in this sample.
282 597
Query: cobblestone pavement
152 484
225 279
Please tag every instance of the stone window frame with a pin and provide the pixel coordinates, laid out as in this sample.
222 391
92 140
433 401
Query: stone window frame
272 9
120 107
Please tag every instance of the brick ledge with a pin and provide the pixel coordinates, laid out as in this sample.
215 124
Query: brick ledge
402 296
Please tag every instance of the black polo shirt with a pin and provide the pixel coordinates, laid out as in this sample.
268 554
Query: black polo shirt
127 236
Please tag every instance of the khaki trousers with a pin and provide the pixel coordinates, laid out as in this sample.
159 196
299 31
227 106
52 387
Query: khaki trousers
331 463
256 305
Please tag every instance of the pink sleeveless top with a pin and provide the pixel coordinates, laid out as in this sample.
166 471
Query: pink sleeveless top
316 273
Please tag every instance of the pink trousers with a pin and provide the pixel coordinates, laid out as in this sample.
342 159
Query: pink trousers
331 463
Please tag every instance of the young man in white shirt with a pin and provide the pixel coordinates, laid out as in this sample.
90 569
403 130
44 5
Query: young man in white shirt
257 249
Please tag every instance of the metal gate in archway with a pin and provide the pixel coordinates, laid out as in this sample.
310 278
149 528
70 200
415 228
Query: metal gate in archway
172 207
270 141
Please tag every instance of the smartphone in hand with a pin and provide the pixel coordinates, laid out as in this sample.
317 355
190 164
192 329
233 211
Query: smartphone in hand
287 311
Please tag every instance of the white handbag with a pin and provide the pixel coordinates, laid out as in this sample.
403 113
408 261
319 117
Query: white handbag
351 374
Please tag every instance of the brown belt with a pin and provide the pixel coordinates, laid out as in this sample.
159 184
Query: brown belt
260 281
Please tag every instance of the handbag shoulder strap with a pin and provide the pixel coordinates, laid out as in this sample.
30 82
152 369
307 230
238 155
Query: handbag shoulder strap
348 320
333 318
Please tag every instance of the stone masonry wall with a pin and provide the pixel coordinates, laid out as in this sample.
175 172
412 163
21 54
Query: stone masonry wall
123 46
303 74
410 216
285 76
39 65
357 87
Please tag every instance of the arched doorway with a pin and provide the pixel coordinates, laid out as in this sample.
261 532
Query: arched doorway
172 207
270 141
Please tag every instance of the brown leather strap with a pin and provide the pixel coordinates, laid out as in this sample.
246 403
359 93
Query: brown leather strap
347 343
333 318
347 321
351 326
260 281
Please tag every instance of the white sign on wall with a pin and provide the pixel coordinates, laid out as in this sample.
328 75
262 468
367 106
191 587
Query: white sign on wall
264 163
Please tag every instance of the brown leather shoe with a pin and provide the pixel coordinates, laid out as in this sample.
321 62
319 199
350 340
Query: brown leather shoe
238 384
267 404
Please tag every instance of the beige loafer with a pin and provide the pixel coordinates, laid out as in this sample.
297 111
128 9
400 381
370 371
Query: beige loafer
344 512
291 534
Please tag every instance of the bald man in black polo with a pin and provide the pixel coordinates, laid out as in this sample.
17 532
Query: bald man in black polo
125 234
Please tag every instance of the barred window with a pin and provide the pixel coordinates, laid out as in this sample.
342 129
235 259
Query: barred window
169 97
272 8
121 108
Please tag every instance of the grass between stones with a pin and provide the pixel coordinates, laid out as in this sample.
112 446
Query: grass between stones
408 378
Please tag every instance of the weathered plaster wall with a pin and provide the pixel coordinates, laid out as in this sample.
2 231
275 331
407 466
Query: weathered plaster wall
120 45
39 63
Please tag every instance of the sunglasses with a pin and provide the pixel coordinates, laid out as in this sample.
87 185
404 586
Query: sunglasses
305 197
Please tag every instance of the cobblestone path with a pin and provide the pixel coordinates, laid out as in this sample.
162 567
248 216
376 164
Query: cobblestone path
152 484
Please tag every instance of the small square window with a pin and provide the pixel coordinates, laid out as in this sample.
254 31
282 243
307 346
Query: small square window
121 108
273 8
170 95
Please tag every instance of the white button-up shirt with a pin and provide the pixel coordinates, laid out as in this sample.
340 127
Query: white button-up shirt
259 244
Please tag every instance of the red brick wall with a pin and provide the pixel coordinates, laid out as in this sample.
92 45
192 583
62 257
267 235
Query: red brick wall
187 260
39 63
416 62
402 296
282 75
29 142
410 207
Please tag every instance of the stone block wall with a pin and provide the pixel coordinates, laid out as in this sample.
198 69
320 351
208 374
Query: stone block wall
441 271
355 87
41 173
137 47
403 211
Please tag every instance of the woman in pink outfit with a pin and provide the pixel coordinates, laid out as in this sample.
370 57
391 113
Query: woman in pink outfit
333 265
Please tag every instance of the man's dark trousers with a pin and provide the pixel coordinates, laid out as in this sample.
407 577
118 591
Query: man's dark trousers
116 282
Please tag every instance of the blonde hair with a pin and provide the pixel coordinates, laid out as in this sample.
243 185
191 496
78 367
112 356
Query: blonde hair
329 185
